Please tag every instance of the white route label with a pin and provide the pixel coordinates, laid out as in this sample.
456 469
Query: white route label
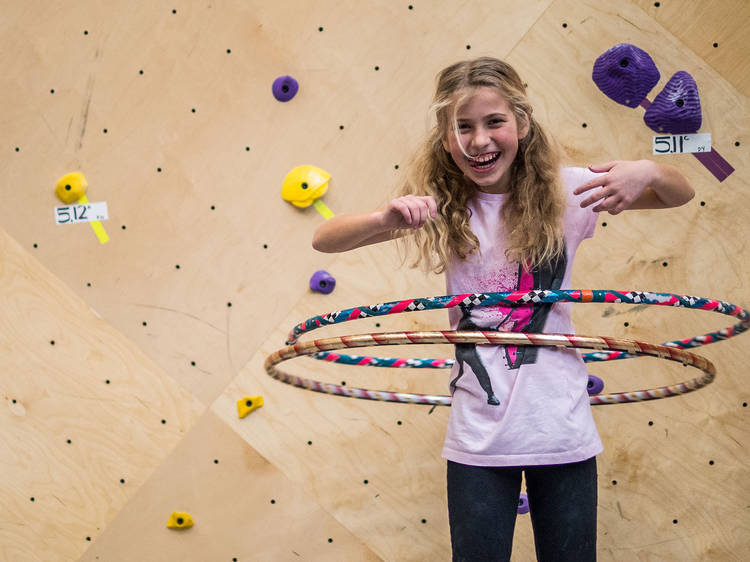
90 212
679 144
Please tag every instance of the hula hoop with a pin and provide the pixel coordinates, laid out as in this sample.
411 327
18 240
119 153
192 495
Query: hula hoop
521 298
615 348
492 338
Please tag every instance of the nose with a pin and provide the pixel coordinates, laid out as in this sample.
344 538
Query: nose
480 138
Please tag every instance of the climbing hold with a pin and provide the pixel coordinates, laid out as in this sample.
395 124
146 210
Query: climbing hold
248 404
626 74
180 520
322 282
676 110
523 504
71 187
284 88
303 184
595 385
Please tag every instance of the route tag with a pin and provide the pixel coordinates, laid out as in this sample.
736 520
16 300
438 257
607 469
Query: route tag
89 212
679 144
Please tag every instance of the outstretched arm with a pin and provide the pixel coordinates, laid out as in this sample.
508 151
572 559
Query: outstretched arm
346 232
638 184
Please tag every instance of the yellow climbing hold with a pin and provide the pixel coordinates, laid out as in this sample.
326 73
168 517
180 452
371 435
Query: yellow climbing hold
180 520
248 404
304 184
71 187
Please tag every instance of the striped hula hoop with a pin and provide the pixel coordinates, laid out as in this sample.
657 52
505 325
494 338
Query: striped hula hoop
632 347
623 349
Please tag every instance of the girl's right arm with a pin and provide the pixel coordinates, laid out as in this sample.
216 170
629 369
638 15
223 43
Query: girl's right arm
346 232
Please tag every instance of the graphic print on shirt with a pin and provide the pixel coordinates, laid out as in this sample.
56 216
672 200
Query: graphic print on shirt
528 318
467 353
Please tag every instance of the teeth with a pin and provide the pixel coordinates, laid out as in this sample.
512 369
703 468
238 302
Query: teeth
484 157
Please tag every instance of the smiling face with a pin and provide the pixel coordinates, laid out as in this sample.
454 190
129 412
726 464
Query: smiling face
489 135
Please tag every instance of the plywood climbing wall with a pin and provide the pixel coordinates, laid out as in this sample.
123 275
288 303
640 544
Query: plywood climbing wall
122 362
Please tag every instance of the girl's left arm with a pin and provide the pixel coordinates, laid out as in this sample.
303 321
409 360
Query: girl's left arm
635 184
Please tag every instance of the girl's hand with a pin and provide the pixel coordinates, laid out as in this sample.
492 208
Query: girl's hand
410 211
623 184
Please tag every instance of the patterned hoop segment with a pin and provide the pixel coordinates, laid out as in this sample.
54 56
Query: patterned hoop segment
634 348
522 298
607 348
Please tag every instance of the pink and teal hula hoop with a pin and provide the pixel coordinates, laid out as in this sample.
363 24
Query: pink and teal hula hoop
606 349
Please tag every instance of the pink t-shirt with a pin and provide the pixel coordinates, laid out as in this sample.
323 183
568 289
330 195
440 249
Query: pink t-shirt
519 405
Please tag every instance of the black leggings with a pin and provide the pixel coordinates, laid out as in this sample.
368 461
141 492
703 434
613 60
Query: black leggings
483 502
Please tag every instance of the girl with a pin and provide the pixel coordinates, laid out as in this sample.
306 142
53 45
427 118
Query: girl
486 202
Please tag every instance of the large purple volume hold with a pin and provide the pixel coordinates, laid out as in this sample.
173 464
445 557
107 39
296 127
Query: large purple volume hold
625 74
676 110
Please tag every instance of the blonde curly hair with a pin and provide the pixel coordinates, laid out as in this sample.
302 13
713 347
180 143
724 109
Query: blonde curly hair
534 206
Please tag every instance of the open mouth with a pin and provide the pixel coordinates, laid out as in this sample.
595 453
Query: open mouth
485 161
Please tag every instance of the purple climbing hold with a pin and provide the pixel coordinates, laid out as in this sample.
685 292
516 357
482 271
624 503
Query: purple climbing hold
284 88
626 74
676 110
523 504
595 385
322 282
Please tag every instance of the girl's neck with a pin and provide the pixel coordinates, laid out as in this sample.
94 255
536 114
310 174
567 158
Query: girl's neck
489 196
493 190
500 188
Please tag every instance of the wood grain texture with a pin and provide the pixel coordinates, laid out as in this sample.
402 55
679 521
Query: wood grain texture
191 166
715 30
87 418
243 508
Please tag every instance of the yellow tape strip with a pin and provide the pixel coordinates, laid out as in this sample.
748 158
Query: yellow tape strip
322 209
101 234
